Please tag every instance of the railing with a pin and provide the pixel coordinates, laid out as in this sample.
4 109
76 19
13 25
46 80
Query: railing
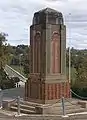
13 73
78 96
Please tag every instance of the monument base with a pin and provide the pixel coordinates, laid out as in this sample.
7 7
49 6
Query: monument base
70 105
46 90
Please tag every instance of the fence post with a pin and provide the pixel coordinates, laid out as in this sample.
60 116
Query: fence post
1 99
63 106
18 102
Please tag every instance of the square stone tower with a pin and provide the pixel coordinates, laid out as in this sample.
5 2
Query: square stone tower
47 81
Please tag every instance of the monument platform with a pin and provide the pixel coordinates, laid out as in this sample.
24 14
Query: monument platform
46 89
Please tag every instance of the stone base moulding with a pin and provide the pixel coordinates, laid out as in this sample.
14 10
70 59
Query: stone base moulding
46 92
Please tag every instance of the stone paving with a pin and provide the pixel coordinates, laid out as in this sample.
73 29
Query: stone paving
7 115
41 117
3 117
36 117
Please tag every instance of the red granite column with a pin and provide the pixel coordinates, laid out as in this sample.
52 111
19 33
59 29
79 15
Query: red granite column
65 89
54 90
57 92
53 57
69 94
55 46
56 57
46 91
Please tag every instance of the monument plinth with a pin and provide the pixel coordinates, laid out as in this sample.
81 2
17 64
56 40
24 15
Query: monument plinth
47 80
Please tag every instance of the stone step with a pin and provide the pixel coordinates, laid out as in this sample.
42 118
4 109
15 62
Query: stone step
29 107
71 111
72 107
67 111
76 110
30 103
70 101
41 117
58 112
67 104
79 117
23 106
67 107
25 111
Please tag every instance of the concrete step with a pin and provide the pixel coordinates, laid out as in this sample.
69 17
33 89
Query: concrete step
66 102
30 103
41 117
59 104
23 106
25 111
75 110
67 108
72 107
78 117
71 111
68 105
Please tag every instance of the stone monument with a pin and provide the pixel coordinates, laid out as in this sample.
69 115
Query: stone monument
47 80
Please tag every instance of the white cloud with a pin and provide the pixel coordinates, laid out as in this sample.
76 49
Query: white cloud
16 17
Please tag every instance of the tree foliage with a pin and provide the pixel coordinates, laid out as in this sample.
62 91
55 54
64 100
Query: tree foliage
79 62
5 81
3 50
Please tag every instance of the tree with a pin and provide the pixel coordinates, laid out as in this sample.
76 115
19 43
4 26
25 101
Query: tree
5 81
79 63
4 55
26 62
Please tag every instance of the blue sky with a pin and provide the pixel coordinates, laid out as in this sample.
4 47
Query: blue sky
16 17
